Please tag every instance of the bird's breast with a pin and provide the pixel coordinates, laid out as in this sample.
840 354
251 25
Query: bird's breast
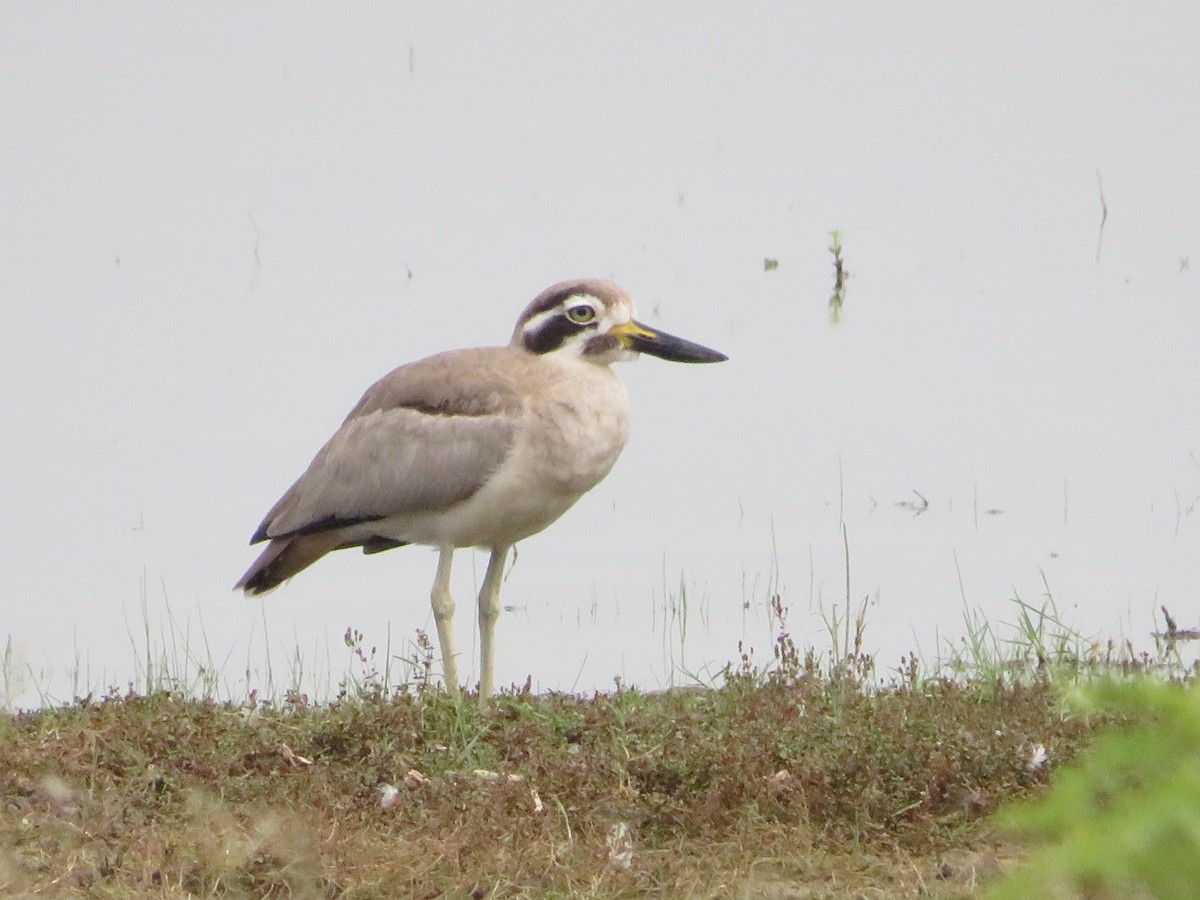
577 431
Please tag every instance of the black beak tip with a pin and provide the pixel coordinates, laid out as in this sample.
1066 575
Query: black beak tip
674 349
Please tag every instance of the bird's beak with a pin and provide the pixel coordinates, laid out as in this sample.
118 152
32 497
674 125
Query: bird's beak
636 336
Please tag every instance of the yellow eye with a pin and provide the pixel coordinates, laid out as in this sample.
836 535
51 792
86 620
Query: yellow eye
581 314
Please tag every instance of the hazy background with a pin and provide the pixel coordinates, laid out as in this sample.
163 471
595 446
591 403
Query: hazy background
220 223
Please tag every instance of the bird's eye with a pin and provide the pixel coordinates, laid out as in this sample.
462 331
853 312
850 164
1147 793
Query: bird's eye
581 314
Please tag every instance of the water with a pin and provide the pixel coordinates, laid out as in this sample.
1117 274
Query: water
215 231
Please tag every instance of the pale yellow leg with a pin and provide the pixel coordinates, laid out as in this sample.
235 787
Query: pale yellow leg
443 618
489 612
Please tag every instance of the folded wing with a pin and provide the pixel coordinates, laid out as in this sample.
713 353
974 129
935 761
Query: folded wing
417 441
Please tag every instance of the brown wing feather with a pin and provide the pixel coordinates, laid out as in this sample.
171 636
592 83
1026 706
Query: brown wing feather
282 559
424 437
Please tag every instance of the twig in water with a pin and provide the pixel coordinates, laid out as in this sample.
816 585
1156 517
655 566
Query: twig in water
1103 214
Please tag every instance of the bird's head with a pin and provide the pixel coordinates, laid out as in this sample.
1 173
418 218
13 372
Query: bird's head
592 319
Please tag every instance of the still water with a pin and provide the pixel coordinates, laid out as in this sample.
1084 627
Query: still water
216 229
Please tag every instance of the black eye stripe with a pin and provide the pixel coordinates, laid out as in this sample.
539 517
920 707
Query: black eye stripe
548 324
552 332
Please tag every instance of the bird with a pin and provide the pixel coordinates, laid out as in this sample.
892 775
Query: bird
479 447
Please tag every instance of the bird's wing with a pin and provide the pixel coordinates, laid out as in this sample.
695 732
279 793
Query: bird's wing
423 438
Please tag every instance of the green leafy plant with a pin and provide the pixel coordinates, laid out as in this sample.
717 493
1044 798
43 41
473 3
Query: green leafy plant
1124 821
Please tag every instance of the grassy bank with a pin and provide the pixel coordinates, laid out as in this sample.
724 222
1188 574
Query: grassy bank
814 778
623 794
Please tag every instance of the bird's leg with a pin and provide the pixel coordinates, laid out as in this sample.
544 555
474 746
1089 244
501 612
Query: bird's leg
489 612
443 617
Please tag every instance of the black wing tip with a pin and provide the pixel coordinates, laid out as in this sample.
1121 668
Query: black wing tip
258 582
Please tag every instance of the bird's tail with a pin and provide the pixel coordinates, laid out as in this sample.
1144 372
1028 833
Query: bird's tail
283 558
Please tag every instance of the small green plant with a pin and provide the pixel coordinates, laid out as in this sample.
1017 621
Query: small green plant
1125 821
840 274
849 664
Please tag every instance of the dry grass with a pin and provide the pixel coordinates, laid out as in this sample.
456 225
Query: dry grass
800 784
810 779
